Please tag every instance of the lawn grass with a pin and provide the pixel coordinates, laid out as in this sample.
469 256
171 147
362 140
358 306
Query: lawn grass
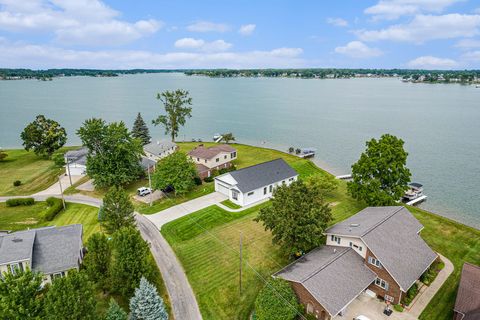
230 204
35 173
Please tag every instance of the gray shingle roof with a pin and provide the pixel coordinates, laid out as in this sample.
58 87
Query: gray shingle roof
50 249
391 233
16 246
209 153
77 156
159 147
468 296
146 163
57 249
263 174
327 270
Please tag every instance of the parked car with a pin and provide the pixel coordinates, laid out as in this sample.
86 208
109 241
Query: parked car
143 191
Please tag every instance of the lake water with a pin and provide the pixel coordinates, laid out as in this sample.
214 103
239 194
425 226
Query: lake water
439 123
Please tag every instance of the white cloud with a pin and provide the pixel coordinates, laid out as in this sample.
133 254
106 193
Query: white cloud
89 22
468 43
393 9
427 27
247 29
357 49
214 46
430 62
337 22
22 55
473 56
207 26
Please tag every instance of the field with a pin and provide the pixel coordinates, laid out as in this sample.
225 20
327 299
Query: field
35 173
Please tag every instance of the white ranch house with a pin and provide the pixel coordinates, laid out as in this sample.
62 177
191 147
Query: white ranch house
255 183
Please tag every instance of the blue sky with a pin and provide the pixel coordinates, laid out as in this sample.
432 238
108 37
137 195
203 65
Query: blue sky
431 34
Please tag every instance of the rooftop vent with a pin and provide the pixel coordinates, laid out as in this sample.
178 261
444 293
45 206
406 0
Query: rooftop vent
353 225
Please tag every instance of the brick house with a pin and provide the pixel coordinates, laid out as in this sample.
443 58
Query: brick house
213 158
378 251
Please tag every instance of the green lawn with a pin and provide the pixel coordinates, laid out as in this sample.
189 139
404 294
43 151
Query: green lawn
230 204
35 173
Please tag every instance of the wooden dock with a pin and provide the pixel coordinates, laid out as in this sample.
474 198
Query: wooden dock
417 200
344 177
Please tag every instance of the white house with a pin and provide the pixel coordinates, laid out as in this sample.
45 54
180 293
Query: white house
158 150
76 162
255 183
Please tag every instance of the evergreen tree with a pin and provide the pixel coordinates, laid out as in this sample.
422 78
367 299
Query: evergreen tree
146 304
21 295
71 297
117 210
130 260
115 312
140 130
97 260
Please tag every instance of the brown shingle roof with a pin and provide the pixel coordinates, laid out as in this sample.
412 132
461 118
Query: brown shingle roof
209 153
468 296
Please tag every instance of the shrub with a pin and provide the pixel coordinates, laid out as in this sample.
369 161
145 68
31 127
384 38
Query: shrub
17 183
398 308
225 170
19 202
410 295
291 149
269 305
197 180
58 159
208 179
429 276
54 207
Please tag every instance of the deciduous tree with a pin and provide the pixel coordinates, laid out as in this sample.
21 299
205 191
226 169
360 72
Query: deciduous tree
71 297
117 210
21 295
177 111
130 260
297 217
175 170
140 130
227 137
97 260
146 304
114 155
43 136
3 155
324 183
277 301
380 177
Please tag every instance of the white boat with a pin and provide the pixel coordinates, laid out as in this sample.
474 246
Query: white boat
415 191
217 136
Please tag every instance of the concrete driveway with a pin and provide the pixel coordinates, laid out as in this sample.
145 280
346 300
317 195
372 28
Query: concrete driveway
55 188
180 210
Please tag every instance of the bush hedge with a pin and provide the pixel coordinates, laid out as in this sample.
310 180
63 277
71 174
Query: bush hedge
429 276
208 179
17 183
197 180
55 205
410 295
398 308
19 202
269 305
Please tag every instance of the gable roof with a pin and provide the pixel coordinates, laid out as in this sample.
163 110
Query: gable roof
78 156
260 175
209 153
50 249
391 234
330 268
468 296
159 147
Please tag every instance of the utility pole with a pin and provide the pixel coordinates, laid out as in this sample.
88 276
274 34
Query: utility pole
61 192
150 185
241 263
68 169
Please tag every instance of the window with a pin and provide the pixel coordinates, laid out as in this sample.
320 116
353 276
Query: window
234 195
205 160
225 157
374 261
270 189
381 283
16 266
291 179
57 275
218 159
265 190
283 182
250 194
198 159
336 239
351 244
233 155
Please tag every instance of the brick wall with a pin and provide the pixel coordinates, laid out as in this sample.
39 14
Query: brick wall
305 298
393 288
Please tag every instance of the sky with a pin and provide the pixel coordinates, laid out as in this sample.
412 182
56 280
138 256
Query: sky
180 34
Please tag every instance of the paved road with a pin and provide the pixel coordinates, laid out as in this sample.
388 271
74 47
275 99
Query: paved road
181 294
178 211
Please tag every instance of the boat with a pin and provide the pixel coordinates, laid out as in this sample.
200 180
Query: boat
307 153
415 191
477 86
217 136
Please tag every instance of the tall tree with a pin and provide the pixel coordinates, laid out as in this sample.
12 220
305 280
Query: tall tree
71 297
277 301
177 110
21 295
176 170
380 177
297 217
115 312
43 136
146 304
113 157
130 260
117 210
97 260
227 137
140 130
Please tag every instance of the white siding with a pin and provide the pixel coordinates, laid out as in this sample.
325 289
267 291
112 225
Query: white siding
259 193
222 188
345 242
223 158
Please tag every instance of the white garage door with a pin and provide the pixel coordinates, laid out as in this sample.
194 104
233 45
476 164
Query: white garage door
76 171
222 189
